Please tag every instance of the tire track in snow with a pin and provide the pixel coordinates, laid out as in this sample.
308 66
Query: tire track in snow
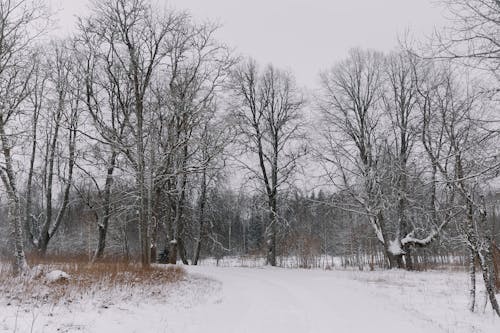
281 300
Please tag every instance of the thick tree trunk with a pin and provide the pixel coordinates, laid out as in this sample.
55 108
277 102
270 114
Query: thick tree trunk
395 261
158 218
106 200
172 253
14 213
101 242
496 265
177 245
201 216
29 199
403 226
485 262
472 276
143 220
19 264
487 267
197 252
409 259
182 251
271 232
145 243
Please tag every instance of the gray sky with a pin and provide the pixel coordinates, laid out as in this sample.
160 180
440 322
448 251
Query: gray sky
302 35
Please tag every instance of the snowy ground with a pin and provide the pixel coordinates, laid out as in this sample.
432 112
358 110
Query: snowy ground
232 299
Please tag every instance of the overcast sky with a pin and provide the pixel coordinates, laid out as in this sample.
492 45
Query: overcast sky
302 35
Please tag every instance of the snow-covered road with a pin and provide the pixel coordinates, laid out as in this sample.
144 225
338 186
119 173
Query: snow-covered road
268 300
282 300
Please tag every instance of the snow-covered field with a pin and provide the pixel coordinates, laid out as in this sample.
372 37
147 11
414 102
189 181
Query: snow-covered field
235 299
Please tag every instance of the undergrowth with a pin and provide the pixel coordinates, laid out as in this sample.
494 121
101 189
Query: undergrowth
110 279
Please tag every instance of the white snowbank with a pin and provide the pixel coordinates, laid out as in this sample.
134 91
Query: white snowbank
56 276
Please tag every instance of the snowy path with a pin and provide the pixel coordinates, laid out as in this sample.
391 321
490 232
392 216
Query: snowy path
278 300
269 300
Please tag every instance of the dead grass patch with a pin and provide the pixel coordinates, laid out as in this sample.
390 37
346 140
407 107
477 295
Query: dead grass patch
111 280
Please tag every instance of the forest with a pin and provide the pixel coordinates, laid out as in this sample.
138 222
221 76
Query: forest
142 137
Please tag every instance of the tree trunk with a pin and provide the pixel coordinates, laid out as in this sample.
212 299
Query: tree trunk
44 239
178 245
48 233
485 262
403 227
496 265
14 213
472 276
395 261
172 253
143 222
20 264
271 232
29 199
201 216
103 227
182 251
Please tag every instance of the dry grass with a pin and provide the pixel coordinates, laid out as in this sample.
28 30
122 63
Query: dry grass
110 279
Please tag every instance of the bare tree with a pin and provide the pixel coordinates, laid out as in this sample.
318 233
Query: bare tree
135 36
371 119
453 125
213 141
36 101
186 101
350 103
399 101
269 123
108 100
472 36
62 114
20 24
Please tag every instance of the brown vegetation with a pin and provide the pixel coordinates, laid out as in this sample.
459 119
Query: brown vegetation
113 278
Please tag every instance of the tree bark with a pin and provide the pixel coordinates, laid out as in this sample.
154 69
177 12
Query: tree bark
472 277
14 212
271 232
103 227
201 216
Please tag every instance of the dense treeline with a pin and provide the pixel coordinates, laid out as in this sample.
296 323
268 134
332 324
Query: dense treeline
126 138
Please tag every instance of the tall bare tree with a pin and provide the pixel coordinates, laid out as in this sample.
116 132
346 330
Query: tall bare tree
399 102
135 35
36 101
21 22
452 123
62 115
108 100
213 141
350 103
269 124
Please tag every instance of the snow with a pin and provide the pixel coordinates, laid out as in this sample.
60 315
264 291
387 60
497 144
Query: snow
56 275
395 247
410 239
265 299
